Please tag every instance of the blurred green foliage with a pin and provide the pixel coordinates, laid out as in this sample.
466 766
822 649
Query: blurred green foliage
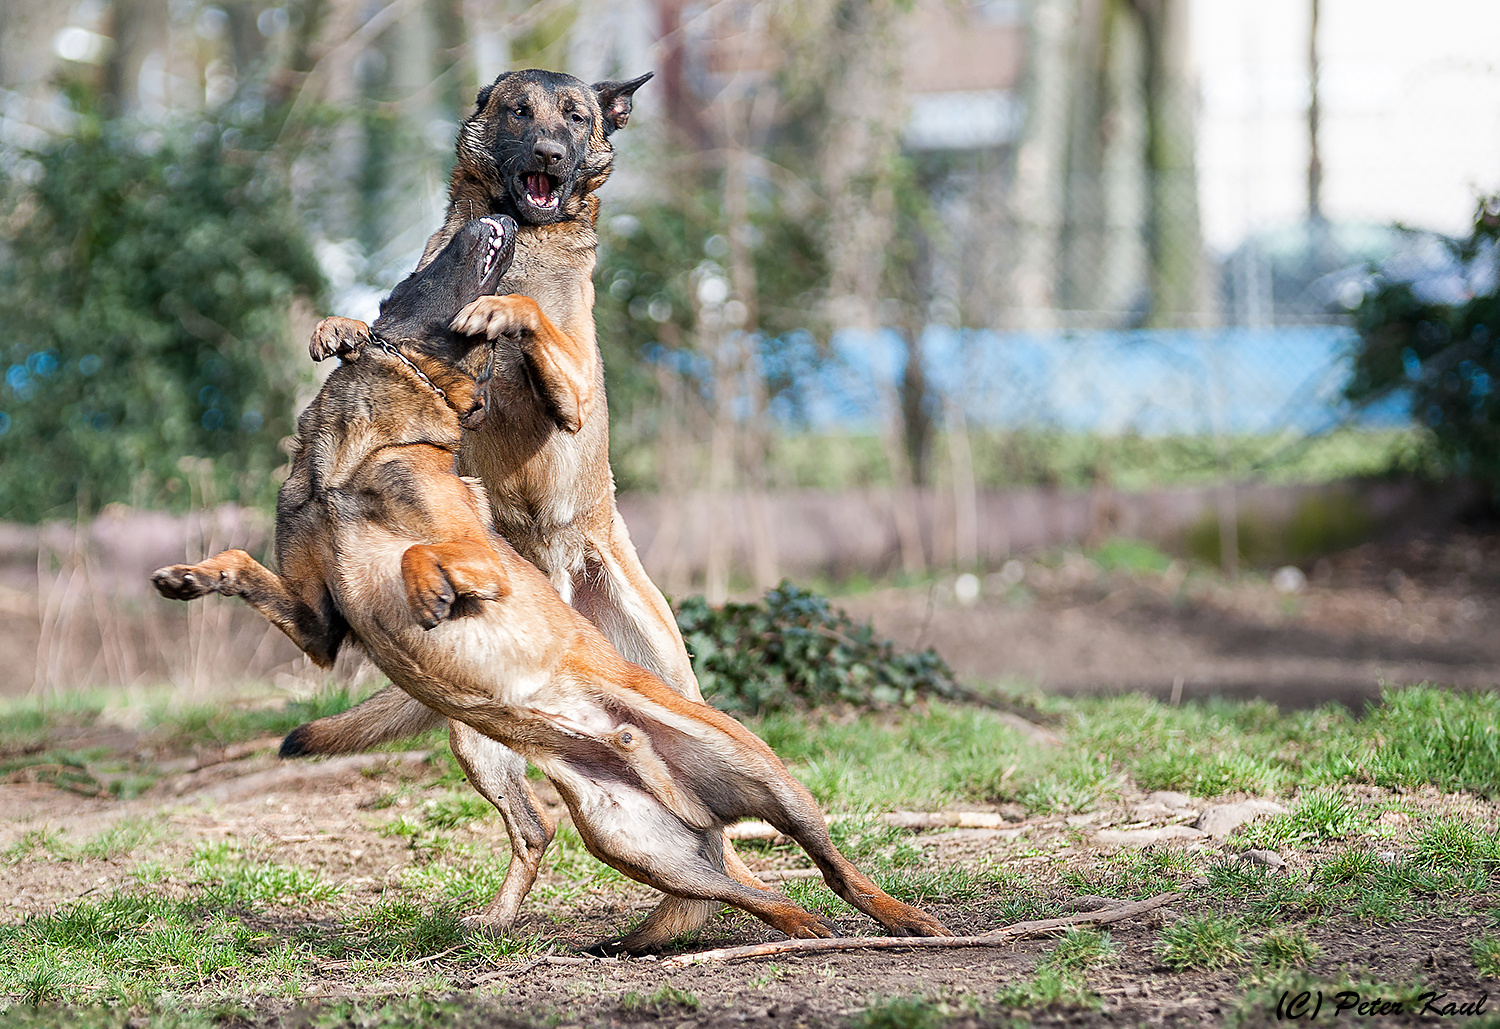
655 262
1446 355
794 651
147 278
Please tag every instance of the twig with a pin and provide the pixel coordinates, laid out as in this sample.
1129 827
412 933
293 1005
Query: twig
994 938
550 959
434 957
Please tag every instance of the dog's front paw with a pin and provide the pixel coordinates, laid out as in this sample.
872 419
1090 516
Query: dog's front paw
188 582
493 317
338 337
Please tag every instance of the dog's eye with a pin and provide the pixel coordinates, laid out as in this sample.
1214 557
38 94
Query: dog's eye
520 111
578 118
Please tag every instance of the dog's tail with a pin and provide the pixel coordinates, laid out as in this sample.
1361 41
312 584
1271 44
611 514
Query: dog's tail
388 716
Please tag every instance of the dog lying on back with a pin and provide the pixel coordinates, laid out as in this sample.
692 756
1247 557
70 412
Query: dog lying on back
379 539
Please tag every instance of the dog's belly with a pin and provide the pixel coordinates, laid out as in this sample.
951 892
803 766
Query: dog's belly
482 656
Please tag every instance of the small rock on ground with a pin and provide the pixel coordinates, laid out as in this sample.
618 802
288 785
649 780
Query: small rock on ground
1219 820
1141 837
1269 858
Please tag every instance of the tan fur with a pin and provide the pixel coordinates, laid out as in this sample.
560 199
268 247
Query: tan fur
543 451
378 537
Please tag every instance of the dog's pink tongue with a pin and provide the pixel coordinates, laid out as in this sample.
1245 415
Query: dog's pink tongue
539 188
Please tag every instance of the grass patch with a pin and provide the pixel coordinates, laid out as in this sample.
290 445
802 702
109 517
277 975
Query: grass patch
123 838
1082 948
665 1001
230 877
1048 987
1134 874
905 1013
1486 951
1206 942
1285 947
395 929
1415 736
1319 815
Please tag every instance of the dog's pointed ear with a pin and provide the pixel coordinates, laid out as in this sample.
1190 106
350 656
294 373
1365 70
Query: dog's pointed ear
484 94
615 100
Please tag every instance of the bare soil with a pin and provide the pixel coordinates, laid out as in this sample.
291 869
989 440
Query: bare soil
1399 611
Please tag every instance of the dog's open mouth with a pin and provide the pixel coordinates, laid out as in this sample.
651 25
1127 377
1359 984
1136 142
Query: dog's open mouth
541 190
492 249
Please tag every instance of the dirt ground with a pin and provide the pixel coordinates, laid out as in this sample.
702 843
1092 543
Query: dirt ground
1400 611
326 816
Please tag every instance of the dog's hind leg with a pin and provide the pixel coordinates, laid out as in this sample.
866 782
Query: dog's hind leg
499 774
795 813
697 887
318 630
614 592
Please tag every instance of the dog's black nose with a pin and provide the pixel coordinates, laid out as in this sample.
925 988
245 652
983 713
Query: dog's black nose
549 151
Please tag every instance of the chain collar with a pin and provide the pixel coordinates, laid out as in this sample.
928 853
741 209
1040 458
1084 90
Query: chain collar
386 345
389 348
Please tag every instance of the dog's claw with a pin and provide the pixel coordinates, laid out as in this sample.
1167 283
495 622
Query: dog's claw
433 603
183 582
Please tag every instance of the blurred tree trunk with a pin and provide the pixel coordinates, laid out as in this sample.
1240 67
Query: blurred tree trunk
1124 265
1179 293
138 27
744 323
858 50
1041 176
1085 221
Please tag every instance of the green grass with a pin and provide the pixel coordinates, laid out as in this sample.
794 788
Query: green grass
1318 816
905 1013
1059 978
667 1000
1486 951
1206 942
1416 736
1285 947
1082 948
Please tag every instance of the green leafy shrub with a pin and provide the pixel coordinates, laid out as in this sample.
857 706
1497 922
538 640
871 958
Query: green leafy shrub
1446 355
147 278
794 650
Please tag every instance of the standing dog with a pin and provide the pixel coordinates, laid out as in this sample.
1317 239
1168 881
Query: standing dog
378 538
537 148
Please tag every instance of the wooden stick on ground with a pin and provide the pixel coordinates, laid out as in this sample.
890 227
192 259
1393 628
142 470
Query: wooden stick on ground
994 938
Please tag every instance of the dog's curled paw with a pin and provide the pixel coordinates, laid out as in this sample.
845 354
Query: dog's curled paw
432 601
338 337
493 317
186 582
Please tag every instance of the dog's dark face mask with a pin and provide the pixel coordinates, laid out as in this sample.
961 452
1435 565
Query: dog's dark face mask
469 267
420 308
542 139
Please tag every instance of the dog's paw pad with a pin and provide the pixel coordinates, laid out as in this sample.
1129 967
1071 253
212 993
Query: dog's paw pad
182 582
